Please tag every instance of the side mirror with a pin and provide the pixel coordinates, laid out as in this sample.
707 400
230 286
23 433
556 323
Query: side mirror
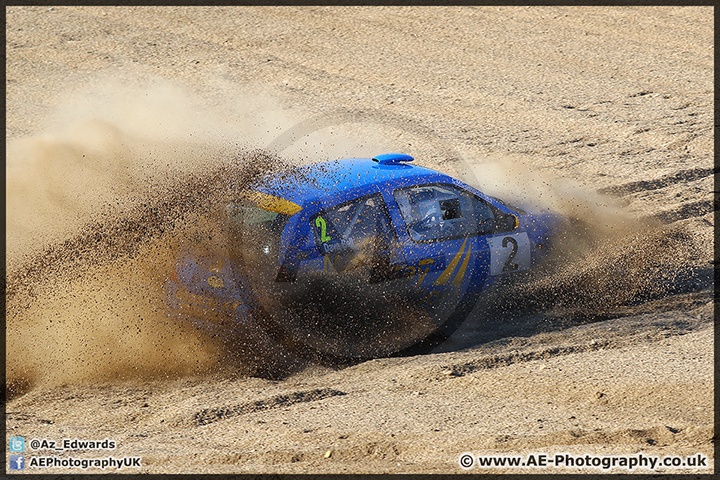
506 223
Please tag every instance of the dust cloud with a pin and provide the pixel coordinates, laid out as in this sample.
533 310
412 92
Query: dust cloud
96 211
116 143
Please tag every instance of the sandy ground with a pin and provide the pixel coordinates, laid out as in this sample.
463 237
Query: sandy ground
601 113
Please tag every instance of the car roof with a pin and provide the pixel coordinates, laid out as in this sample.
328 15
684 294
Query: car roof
305 184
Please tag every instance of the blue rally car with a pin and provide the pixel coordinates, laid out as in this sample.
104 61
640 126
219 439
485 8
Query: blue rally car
355 259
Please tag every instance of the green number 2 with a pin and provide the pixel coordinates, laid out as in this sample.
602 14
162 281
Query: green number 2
320 222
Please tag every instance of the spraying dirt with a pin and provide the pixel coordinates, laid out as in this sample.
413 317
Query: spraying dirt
97 297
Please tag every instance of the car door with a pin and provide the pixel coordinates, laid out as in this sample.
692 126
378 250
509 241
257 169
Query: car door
354 236
443 237
342 300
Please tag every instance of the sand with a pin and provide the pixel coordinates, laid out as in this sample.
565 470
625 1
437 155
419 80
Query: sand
120 120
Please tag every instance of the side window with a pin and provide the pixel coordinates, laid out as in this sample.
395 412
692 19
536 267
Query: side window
353 226
441 212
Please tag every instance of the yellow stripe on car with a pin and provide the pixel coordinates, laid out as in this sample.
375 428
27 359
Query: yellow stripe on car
447 273
461 273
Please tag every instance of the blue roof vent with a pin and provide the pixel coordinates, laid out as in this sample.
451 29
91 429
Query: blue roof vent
392 158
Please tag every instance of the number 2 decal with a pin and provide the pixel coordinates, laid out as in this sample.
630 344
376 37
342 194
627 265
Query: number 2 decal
320 223
509 253
509 266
